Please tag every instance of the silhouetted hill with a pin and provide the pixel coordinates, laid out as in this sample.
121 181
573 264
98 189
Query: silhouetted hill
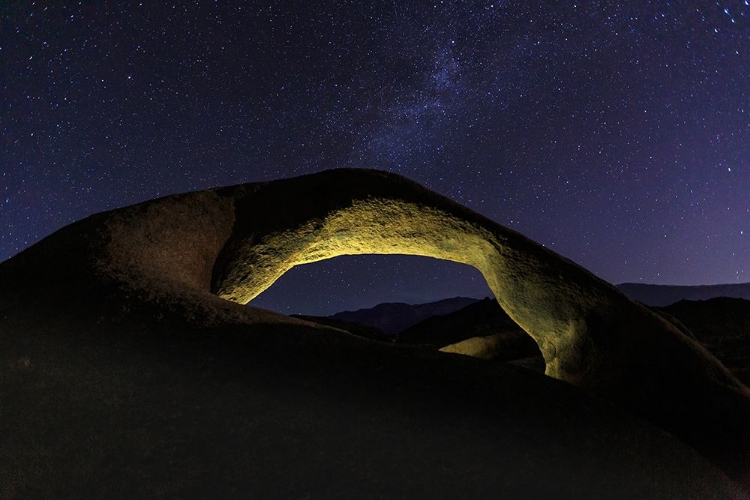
394 317
722 325
482 319
664 295
477 319
481 329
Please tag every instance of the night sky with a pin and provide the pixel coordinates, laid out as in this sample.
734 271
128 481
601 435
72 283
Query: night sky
616 134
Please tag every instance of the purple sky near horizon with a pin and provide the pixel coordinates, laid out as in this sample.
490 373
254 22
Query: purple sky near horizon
617 135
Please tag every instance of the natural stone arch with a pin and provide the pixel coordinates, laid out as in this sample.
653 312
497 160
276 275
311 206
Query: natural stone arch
348 212
172 253
364 212
590 334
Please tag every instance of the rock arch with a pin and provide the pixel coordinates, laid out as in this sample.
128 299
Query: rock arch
345 212
590 334
574 316
183 251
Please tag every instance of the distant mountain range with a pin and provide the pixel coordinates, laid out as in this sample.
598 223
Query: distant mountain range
394 317
391 318
664 295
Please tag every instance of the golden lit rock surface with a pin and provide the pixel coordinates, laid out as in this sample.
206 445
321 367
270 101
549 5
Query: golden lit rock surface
167 265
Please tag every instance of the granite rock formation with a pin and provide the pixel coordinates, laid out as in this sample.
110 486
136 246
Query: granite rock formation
190 261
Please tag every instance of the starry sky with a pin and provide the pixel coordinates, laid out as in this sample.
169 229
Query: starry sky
615 133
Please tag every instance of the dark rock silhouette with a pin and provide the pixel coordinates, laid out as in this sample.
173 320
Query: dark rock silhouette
126 372
723 326
479 319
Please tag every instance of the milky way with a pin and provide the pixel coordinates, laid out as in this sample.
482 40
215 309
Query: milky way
617 135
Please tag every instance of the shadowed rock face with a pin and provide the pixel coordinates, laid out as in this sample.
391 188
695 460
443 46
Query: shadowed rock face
189 252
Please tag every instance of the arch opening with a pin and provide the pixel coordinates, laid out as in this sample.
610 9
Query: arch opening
353 282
